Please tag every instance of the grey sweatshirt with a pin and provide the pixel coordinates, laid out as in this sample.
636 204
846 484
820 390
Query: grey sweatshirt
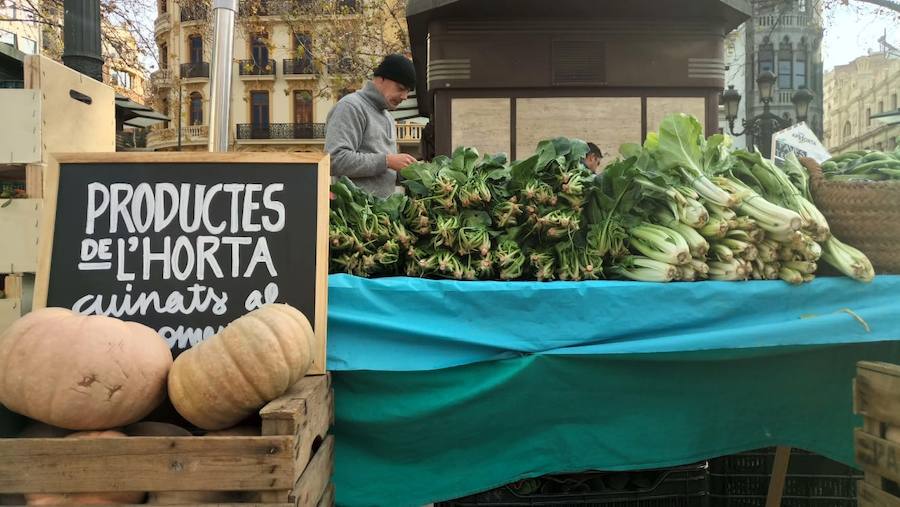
359 134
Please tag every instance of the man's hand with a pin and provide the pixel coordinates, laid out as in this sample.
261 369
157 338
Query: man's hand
400 160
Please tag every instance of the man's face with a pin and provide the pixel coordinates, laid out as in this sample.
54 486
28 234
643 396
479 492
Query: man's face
592 161
394 92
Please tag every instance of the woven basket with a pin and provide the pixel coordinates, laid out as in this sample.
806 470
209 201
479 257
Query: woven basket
864 214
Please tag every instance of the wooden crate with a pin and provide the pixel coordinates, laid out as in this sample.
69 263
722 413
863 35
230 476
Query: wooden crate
19 225
290 464
876 397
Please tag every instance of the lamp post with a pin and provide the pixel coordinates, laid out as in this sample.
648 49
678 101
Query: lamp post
764 125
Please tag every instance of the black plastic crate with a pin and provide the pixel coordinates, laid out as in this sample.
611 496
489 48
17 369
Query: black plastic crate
684 486
742 480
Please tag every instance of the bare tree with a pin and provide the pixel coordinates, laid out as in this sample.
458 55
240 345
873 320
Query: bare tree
126 27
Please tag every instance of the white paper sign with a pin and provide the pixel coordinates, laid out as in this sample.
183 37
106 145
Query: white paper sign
800 140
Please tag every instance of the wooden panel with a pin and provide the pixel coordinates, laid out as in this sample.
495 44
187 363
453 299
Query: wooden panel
34 181
10 310
20 130
146 464
317 476
877 392
778 476
64 119
327 499
877 455
660 107
481 123
20 220
608 122
870 496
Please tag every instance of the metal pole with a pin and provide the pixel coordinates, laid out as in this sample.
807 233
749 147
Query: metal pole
224 12
179 115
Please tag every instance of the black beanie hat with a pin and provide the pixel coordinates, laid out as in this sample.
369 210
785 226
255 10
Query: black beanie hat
397 68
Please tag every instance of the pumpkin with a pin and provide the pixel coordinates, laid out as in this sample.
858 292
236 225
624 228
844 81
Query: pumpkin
110 498
255 359
82 372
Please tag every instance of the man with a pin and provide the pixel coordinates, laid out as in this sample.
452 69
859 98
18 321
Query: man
593 158
360 133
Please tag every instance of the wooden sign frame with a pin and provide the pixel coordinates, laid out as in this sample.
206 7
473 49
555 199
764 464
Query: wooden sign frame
51 193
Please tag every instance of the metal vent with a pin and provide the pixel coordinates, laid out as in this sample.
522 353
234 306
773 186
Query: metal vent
579 63
450 69
706 68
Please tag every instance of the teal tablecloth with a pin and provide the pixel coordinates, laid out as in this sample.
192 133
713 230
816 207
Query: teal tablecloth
449 388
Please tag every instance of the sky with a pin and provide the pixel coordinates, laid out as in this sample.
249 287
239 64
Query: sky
851 31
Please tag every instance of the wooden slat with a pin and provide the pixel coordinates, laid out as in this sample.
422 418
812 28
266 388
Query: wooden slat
34 181
44 465
877 455
872 427
13 286
779 476
315 479
870 496
878 392
189 157
327 499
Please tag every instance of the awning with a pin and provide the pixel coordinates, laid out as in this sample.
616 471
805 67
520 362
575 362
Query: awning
137 115
888 117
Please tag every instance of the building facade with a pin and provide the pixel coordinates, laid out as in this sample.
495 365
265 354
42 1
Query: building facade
854 93
783 37
277 102
19 29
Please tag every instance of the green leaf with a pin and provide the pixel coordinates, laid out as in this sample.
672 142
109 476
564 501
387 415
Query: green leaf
679 144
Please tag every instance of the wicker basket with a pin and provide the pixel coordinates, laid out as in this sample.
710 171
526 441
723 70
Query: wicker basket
864 214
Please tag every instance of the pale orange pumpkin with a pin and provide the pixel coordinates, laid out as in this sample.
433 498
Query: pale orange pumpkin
255 359
82 372
110 498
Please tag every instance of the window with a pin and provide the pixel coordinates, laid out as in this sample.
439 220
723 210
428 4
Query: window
879 146
196 48
868 117
259 50
120 78
8 38
880 106
766 57
785 65
163 6
163 56
801 5
894 101
27 46
196 108
346 5
302 47
303 107
848 130
800 66
259 109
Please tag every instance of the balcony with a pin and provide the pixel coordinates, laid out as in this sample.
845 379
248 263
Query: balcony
196 70
342 66
298 67
162 78
262 8
281 131
161 138
162 25
194 12
409 133
252 69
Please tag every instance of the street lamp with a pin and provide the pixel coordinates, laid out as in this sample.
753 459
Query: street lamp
762 127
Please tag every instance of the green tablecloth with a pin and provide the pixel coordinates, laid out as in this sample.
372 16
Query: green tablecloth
411 438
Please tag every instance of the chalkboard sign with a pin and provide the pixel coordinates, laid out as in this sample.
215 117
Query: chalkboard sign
186 242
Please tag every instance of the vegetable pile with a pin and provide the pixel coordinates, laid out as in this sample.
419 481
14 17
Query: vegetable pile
863 165
680 207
